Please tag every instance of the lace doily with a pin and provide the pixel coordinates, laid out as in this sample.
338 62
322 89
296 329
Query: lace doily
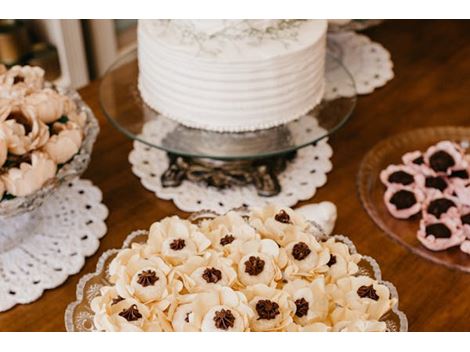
368 62
40 249
303 175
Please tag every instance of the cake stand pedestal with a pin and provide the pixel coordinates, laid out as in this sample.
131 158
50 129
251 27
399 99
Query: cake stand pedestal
222 160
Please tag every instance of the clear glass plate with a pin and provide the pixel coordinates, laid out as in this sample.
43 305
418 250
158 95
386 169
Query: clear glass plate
371 190
121 102
79 316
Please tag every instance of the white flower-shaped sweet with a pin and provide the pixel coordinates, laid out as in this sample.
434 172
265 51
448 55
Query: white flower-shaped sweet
307 257
273 308
227 232
260 262
29 176
314 327
47 104
23 80
311 300
276 223
362 295
220 309
202 273
3 148
64 142
360 326
341 263
114 313
72 112
176 240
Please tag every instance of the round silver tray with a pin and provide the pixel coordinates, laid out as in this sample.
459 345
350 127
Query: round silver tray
79 316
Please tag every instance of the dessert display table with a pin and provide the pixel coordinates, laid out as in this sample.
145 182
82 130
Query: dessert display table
424 92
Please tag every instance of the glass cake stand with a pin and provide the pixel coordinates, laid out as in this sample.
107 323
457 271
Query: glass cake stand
249 157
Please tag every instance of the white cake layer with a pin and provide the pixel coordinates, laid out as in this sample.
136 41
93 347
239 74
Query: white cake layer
260 87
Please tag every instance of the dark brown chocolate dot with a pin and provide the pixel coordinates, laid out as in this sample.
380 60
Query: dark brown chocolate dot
254 265
282 217
267 309
178 244
440 206
186 319
438 230
212 275
131 314
147 278
332 260
465 219
301 305
403 199
419 160
116 300
18 79
368 292
440 161
401 177
300 251
436 182
463 174
227 239
224 319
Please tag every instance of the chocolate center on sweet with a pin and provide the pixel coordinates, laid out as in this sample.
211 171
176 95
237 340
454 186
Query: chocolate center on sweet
22 120
460 174
440 206
147 278
438 230
224 319
178 244
267 309
419 160
131 314
301 305
212 275
254 265
367 291
18 79
332 260
300 251
436 182
465 219
116 300
401 177
227 239
441 161
403 199
282 217
186 319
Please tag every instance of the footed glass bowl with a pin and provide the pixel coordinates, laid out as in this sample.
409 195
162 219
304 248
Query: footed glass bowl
79 316
73 168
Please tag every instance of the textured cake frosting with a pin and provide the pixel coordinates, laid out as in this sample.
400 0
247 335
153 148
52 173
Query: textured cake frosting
232 75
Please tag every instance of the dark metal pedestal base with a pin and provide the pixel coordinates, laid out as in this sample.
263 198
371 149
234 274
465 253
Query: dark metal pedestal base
262 173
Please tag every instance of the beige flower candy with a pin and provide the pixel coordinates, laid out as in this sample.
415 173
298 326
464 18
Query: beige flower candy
276 223
218 310
23 79
314 327
360 326
114 313
260 262
176 240
341 263
29 176
72 112
362 295
273 308
311 300
307 257
3 148
47 104
23 131
202 273
64 143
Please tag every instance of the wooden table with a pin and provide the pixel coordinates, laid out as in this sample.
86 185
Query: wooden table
431 88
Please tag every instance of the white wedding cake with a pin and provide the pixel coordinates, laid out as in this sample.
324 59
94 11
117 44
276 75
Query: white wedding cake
232 75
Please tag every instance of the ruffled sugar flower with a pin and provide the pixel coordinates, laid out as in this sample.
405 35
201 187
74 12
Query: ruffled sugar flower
445 157
3 148
176 240
276 223
201 273
438 235
47 104
360 326
313 327
260 262
310 299
71 111
341 262
359 297
23 131
403 202
398 174
30 175
146 279
273 308
64 142
227 232
23 80
438 206
218 310
115 313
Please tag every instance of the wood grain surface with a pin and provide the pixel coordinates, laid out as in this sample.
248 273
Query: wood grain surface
431 88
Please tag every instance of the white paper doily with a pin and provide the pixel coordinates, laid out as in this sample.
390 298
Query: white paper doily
299 181
368 62
39 250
